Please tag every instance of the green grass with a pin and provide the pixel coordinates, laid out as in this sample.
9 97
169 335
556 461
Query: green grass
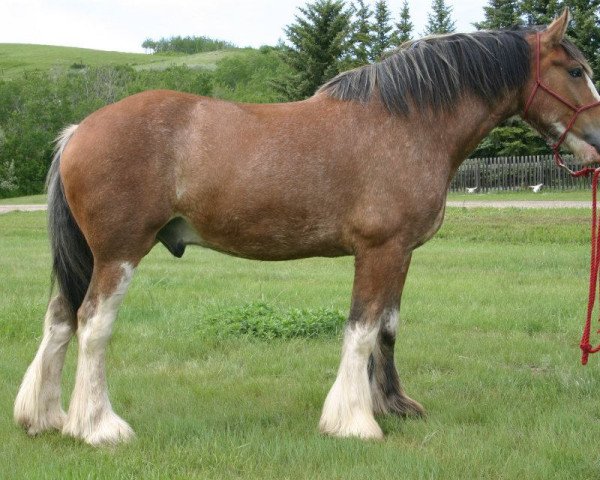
206 60
15 59
577 195
491 319
29 200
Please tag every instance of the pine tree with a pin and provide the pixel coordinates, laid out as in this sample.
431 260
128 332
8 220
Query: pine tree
440 20
362 36
319 40
383 31
404 27
540 12
500 14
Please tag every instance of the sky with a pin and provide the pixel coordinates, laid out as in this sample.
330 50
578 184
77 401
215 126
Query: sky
122 25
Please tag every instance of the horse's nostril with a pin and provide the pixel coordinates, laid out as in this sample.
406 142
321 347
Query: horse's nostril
593 140
596 145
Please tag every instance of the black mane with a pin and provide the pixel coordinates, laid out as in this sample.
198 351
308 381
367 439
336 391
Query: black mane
434 72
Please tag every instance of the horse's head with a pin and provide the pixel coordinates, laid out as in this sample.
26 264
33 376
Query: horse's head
560 99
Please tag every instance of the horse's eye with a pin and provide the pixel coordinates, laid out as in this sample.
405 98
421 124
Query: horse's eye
576 72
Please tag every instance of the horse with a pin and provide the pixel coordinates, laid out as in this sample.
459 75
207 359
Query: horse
361 168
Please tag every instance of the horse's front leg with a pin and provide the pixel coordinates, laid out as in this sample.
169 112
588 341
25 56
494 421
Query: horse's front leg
349 408
386 390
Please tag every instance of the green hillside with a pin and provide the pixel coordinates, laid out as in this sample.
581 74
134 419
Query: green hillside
18 58
64 85
206 60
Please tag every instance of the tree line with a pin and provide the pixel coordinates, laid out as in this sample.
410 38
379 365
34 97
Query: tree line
326 37
186 45
330 36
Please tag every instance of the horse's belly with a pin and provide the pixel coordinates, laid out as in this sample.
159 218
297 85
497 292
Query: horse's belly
260 241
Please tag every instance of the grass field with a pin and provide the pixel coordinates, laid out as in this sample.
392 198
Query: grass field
491 320
577 195
18 58
29 200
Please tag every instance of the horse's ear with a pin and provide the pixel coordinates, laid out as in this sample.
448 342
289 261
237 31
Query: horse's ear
555 32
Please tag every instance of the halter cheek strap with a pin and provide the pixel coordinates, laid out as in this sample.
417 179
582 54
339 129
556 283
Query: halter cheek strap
586 347
539 85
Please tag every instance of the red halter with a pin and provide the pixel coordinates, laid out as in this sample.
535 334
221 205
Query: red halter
586 347
577 110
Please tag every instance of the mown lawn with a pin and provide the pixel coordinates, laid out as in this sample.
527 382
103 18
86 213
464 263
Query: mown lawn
492 315
584 195
29 200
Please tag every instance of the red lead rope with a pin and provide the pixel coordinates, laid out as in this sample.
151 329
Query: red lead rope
586 347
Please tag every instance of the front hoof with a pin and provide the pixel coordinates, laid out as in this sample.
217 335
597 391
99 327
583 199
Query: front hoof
110 430
359 426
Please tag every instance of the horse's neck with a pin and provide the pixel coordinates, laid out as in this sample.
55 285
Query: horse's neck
470 122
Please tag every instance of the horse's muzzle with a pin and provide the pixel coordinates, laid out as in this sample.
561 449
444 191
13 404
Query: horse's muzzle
593 140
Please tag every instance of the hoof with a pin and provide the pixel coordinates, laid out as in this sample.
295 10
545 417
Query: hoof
360 426
404 406
37 413
36 424
110 430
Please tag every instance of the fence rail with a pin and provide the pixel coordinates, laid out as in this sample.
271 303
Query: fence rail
516 173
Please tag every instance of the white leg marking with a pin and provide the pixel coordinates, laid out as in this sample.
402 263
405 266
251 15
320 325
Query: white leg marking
91 417
37 406
348 411
389 321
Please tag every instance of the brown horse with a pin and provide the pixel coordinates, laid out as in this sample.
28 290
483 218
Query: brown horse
362 168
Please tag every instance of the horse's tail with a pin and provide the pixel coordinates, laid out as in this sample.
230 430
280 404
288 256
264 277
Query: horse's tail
72 260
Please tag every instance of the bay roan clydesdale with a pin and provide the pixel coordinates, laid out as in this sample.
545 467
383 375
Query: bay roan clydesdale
361 168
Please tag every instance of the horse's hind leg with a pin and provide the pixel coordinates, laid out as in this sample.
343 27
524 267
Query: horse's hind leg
90 415
378 281
37 406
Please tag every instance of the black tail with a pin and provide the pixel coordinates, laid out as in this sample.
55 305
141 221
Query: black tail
72 260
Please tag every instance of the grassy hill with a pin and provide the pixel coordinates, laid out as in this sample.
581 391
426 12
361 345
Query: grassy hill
18 58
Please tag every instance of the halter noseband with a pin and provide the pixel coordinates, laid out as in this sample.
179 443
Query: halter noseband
577 110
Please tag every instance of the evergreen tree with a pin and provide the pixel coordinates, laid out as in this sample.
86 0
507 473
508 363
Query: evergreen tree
440 19
500 14
319 40
383 31
362 36
540 12
404 27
